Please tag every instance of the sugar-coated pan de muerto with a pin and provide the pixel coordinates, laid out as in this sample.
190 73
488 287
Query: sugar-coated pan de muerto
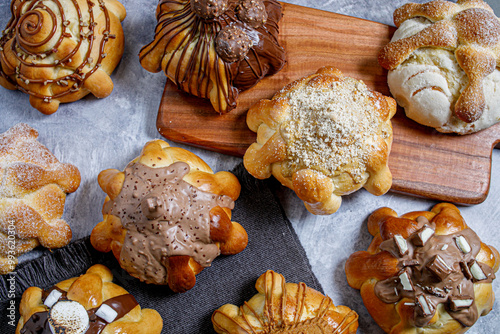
444 64
323 136
167 216
33 192
214 49
281 307
424 272
89 304
59 51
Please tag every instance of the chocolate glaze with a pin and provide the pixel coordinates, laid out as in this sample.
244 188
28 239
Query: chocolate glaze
38 323
26 23
164 216
437 272
266 57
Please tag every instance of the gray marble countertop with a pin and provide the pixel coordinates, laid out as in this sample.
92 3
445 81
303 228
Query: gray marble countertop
98 134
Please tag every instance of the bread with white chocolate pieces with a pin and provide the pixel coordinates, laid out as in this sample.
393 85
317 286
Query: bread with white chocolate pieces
167 216
281 307
89 304
444 64
60 51
33 192
425 271
214 49
323 136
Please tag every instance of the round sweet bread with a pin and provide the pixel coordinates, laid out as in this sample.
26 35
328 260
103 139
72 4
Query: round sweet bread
59 51
444 64
32 195
324 136
214 49
167 216
89 304
424 272
281 307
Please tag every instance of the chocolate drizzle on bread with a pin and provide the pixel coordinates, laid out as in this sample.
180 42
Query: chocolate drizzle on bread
435 269
48 53
185 46
164 216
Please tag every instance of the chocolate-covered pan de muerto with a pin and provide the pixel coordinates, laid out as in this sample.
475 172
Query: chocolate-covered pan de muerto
167 216
58 51
89 304
281 307
214 49
424 272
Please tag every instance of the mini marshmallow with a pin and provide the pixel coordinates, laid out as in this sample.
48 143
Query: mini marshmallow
52 298
68 317
107 313
477 272
463 245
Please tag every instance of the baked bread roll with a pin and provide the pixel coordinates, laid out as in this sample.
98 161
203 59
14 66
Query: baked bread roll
323 136
59 51
424 272
281 307
214 49
167 216
444 64
32 195
89 304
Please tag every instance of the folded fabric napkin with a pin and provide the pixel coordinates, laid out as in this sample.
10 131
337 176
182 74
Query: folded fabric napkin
273 244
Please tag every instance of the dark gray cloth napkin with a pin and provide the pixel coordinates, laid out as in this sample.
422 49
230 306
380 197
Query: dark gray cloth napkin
273 244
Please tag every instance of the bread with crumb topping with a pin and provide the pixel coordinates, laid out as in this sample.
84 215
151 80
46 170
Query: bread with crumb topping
323 136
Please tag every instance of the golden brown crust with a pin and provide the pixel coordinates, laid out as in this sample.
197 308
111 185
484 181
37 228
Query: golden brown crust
281 307
365 268
329 158
88 48
32 195
230 237
91 290
468 28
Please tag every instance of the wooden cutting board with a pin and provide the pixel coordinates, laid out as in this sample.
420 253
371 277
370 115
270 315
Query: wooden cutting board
423 161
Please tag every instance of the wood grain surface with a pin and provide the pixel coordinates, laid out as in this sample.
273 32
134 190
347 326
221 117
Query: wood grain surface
423 161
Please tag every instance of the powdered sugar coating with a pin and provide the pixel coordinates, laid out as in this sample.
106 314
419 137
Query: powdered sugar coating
468 33
33 191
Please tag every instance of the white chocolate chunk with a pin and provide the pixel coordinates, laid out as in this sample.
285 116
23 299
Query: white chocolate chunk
426 234
462 303
425 306
463 245
52 298
405 281
106 313
477 272
68 317
402 245
440 259
445 246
